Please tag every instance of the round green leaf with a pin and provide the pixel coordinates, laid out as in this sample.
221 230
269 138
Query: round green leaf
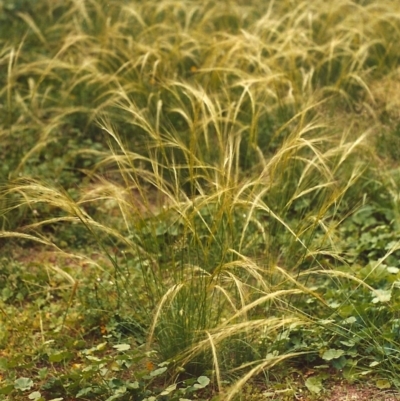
23 384
314 384
204 381
332 354
383 384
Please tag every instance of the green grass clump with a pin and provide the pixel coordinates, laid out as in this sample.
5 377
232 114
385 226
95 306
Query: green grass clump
218 185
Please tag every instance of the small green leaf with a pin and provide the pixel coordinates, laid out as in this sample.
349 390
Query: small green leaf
93 358
79 344
114 397
382 296
3 364
118 393
6 389
349 343
203 381
169 389
158 372
332 354
35 395
116 384
122 347
339 363
60 356
350 320
85 391
42 373
23 384
133 385
325 322
101 346
383 384
314 384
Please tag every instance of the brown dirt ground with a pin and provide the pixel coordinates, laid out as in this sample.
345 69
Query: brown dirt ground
358 392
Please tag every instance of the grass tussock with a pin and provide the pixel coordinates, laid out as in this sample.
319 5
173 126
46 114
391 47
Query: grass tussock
227 159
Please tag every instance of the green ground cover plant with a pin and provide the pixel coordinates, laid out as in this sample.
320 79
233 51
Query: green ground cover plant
199 199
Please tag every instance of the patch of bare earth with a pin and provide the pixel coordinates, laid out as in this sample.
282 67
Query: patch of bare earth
359 392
